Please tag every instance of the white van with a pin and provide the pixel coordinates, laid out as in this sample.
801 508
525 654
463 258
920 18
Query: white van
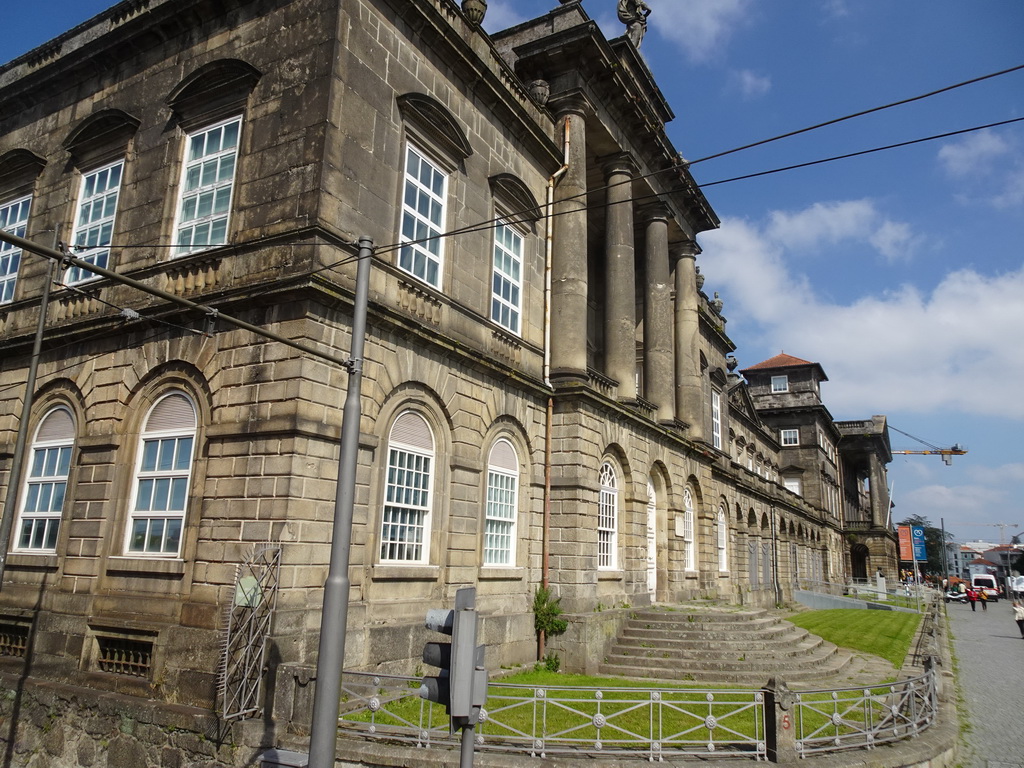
988 583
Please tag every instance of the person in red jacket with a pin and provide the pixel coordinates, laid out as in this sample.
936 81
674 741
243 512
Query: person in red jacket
972 597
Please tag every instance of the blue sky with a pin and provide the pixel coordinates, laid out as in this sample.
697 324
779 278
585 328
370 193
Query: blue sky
901 272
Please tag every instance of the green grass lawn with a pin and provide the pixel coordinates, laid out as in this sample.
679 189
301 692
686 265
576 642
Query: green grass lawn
884 633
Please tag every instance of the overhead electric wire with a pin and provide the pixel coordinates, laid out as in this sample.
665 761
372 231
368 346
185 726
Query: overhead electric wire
490 224
862 152
529 213
827 123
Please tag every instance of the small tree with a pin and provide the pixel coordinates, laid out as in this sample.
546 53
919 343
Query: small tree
547 610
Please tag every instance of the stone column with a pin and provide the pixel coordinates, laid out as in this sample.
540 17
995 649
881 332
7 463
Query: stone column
620 276
569 262
659 333
879 491
689 383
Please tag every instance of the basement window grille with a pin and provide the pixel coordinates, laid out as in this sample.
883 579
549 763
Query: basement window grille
122 656
13 640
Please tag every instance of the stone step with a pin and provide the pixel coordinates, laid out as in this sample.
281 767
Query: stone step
697 650
818 675
778 636
706 644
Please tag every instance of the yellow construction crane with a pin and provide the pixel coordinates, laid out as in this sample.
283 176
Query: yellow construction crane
947 454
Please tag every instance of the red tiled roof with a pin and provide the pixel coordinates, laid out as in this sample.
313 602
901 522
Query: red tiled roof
781 360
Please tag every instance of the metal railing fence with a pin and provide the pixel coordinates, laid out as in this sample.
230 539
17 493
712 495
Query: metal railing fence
544 721
864 717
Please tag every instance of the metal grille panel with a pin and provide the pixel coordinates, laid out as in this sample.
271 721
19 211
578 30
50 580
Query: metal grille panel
248 626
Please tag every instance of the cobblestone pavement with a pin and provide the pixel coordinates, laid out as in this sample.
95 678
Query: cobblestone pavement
990 654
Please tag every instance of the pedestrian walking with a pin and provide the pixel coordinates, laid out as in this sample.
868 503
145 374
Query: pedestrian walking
983 597
1018 616
972 597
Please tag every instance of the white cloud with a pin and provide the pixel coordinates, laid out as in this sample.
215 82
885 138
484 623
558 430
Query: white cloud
976 152
989 166
698 27
751 84
953 349
822 223
964 502
830 223
502 15
895 241
993 475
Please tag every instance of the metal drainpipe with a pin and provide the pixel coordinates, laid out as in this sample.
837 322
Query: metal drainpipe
549 414
17 462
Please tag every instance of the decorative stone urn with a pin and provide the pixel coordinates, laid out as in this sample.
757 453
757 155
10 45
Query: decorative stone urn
474 10
700 279
540 91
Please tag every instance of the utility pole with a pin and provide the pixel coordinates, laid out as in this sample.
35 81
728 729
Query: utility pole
334 618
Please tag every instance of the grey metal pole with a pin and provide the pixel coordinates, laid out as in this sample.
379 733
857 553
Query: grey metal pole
333 620
18 461
467 747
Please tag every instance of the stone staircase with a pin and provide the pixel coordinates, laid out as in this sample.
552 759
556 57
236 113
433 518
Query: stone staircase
731 646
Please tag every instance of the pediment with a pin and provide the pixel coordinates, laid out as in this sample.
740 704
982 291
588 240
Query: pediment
514 193
109 130
430 118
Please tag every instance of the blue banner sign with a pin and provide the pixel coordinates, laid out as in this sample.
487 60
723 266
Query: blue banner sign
917 535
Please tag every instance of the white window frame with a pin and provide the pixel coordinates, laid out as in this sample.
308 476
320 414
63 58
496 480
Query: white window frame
13 220
716 419
207 188
608 519
408 494
723 540
94 219
147 524
507 277
46 481
780 383
502 505
789 437
793 484
424 217
689 539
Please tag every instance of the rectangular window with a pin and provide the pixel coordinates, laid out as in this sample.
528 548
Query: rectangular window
423 217
500 523
94 222
44 498
207 186
161 495
716 419
13 220
606 528
506 297
780 383
405 510
793 484
790 437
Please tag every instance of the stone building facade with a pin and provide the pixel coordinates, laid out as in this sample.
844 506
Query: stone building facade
549 395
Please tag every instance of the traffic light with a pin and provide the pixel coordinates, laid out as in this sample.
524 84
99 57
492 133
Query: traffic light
461 683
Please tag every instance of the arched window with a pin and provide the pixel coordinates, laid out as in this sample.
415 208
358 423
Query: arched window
502 505
607 518
723 539
689 542
405 524
46 482
163 474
